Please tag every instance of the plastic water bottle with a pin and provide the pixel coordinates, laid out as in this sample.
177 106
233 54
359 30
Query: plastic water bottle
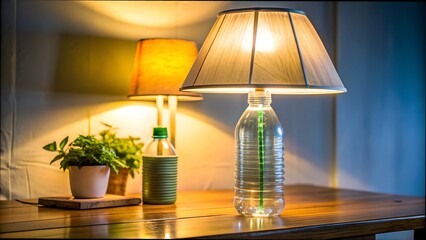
159 170
259 165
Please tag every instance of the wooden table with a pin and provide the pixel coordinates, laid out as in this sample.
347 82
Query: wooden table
311 212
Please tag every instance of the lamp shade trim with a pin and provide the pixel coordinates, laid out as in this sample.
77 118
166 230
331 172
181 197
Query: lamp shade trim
277 89
189 96
166 39
262 10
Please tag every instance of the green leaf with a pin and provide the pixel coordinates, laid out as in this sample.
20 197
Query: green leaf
64 164
114 168
106 124
56 158
63 143
120 164
111 150
50 147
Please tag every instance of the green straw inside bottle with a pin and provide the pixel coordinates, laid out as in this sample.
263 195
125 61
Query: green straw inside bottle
261 144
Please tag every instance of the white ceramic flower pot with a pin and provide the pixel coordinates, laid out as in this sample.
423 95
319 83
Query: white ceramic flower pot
89 181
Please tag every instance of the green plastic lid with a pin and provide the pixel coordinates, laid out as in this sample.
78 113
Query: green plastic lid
160 132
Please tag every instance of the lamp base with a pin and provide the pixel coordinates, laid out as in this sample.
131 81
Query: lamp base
259 163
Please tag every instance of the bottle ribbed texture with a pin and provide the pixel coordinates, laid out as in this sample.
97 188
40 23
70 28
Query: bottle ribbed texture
259 165
259 97
159 170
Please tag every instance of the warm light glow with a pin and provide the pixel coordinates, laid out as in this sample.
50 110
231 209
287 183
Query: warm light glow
290 90
256 223
165 145
160 67
264 41
156 14
154 98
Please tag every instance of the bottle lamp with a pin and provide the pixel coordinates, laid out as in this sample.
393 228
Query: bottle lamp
160 66
262 51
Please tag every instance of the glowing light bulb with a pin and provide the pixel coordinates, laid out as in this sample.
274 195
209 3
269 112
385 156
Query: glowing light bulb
264 41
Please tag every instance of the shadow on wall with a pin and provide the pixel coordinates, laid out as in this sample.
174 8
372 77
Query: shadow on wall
307 123
93 65
102 66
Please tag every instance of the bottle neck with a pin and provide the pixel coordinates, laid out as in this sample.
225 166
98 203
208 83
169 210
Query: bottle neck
259 97
159 138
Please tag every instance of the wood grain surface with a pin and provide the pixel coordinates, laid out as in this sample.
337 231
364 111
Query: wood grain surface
311 212
110 200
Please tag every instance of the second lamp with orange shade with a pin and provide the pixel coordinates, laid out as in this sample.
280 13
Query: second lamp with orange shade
160 67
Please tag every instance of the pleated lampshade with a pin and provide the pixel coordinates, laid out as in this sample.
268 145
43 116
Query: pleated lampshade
277 50
160 67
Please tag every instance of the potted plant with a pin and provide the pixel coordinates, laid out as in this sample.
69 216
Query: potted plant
89 161
129 152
